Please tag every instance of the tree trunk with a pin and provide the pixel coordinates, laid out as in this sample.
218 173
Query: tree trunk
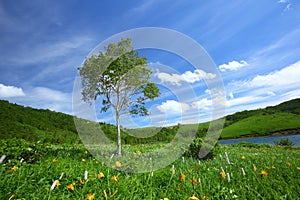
119 147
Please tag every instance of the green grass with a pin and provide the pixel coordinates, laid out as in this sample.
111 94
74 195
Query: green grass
259 125
33 178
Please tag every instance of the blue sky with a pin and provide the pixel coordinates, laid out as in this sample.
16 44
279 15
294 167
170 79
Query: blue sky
254 44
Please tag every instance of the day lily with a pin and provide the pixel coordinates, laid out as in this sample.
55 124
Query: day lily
193 198
118 164
55 183
223 175
114 178
14 168
101 175
90 196
181 177
104 194
194 181
70 187
264 173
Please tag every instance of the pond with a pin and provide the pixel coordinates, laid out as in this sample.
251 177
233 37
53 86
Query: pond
268 139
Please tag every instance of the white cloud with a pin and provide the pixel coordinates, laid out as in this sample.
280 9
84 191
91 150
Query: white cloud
233 65
204 104
283 1
286 76
10 91
172 107
188 76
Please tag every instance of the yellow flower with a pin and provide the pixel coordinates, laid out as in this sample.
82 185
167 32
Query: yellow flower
54 160
223 175
288 164
57 183
264 173
181 177
81 182
193 198
267 167
114 193
90 196
114 178
70 187
243 157
264 151
298 168
104 194
139 152
194 181
83 160
86 152
164 199
101 175
14 168
273 167
118 164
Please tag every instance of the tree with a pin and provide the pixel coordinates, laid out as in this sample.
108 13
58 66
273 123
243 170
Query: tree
120 76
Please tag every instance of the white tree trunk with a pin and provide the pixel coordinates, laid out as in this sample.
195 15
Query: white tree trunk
119 147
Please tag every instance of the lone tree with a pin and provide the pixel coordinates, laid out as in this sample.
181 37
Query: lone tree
119 75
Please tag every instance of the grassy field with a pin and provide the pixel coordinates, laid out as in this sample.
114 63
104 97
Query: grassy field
260 125
70 172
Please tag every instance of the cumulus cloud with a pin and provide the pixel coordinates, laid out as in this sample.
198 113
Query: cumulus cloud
188 76
233 65
173 107
204 104
10 91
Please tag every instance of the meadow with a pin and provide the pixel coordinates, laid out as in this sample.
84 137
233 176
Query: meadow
33 170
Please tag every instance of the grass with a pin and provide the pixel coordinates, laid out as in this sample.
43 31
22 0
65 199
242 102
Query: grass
260 125
33 178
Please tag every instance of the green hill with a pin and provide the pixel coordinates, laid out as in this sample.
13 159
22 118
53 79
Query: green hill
54 127
36 124
283 118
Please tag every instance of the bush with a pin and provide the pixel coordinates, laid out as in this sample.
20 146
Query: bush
284 142
197 144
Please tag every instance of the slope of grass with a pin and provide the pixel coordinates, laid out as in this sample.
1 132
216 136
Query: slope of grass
259 125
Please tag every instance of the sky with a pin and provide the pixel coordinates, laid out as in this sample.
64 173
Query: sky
254 45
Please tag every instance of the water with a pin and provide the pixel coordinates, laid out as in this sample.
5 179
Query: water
269 139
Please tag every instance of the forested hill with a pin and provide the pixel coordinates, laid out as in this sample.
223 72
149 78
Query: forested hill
36 124
47 126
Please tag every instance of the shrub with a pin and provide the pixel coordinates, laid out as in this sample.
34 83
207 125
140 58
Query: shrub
284 142
197 144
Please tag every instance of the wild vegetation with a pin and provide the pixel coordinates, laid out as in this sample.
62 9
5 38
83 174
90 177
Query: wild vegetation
41 157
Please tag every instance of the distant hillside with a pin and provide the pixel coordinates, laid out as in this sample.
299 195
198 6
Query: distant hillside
283 118
47 126
36 124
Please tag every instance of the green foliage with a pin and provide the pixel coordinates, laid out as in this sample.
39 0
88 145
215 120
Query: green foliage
198 143
284 142
36 124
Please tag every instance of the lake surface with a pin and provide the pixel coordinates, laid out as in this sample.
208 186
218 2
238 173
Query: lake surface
268 139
